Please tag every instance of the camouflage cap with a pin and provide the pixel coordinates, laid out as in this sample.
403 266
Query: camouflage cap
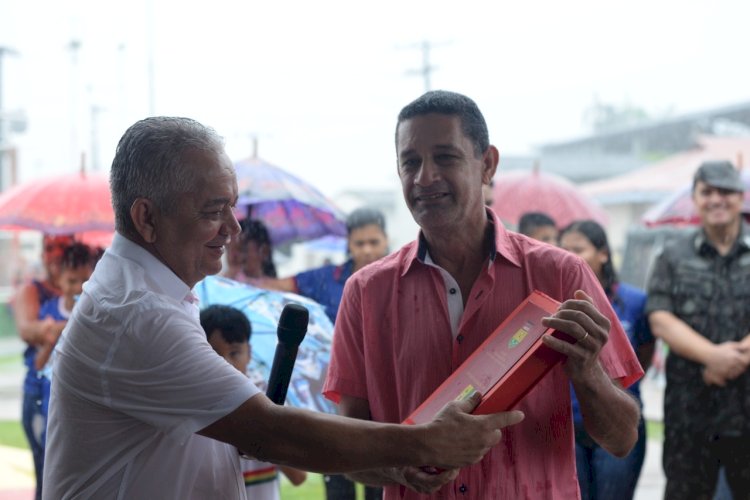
719 174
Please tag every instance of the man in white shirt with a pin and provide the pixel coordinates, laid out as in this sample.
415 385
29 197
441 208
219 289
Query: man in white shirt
136 380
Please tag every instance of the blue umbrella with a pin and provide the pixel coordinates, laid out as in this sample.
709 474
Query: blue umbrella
263 309
291 209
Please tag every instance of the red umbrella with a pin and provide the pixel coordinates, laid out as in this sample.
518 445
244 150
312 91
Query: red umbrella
64 204
519 191
678 209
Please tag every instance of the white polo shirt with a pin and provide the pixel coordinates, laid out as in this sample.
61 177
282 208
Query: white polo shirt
134 380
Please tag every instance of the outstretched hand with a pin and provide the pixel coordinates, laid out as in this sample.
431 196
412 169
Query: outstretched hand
457 438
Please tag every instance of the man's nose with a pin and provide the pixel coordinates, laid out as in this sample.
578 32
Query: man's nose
715 196
428 173
231 224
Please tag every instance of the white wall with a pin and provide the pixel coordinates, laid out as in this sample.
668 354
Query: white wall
621 217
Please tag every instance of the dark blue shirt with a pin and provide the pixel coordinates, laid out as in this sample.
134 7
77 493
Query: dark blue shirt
34 382
629 304
325 285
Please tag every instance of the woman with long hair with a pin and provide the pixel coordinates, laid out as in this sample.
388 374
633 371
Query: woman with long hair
37 332
600 474
249 255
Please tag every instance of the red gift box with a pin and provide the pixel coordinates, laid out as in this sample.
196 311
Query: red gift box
505 367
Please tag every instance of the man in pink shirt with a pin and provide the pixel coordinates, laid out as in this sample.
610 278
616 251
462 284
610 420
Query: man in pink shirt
407 321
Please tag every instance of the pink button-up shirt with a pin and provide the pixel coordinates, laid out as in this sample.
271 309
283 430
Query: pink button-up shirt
393 346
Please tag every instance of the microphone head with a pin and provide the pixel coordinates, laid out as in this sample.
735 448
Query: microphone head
293 324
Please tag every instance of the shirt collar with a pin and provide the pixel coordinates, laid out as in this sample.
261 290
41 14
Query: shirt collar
742 244
344 271
155 270
501 245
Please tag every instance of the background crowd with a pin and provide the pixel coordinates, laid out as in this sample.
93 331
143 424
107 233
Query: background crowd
695 303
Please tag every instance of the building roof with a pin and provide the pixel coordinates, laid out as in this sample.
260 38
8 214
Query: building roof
651 182
666 135
617 152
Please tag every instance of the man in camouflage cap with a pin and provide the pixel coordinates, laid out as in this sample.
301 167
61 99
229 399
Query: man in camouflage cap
699 298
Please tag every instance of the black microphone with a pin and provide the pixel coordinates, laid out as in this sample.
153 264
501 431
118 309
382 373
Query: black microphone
291 331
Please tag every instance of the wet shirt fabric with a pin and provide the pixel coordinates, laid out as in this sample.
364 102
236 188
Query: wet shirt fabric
135 379
325 285
710 293
393 346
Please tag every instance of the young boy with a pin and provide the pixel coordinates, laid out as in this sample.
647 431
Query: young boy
228 331
539 226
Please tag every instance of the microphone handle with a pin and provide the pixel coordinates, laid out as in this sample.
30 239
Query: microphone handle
281 372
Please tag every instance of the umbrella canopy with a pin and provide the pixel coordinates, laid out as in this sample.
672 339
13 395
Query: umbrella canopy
518 191
678 209
63 204
292 209
263 309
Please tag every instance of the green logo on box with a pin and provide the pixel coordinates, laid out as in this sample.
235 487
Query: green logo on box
521 334
466 393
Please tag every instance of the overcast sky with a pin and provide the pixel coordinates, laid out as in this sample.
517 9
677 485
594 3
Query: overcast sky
320 83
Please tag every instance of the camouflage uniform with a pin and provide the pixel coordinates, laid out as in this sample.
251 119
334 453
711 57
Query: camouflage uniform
704 425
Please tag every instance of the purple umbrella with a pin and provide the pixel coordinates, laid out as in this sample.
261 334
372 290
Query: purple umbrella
292 209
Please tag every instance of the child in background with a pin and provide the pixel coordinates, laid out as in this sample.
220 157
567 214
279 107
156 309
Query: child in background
539 226
228 331
75 269
76 266
33 331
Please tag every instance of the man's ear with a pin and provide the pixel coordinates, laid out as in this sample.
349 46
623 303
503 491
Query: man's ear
489 163
143 213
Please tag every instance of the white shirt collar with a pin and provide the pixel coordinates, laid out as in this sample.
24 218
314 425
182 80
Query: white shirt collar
453 295
163 277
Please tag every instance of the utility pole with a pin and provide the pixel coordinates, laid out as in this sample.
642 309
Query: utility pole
122 104
4 51
150 56
95 111
4 119
427 68
74 46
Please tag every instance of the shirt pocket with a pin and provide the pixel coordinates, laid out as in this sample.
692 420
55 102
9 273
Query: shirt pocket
694 290
739 309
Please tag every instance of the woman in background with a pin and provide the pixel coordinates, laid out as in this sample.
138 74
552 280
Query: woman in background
249 255
38 332
250 260
602 475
